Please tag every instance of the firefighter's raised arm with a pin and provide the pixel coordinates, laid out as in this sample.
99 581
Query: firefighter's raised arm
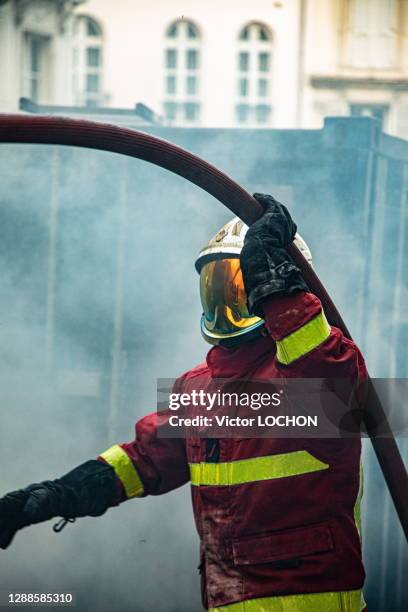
293 316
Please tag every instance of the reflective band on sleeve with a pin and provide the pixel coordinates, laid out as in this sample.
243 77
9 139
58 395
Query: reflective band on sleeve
255 469
357 505
125 470
303 340
343 601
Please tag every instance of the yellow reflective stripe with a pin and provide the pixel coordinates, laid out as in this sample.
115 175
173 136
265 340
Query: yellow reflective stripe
303 340
357 516
125 470
357 505
344 601
255 469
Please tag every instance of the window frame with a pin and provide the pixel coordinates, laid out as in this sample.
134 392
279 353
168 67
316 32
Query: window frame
186 72
371 37
83 70
257 71
36 83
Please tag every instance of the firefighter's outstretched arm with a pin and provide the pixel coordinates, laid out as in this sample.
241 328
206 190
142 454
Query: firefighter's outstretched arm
150 464
88 490
147 465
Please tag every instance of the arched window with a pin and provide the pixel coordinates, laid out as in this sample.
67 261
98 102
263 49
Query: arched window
254 66
88 62
372 33
181 73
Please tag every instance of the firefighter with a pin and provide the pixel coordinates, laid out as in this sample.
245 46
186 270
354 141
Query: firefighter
278 519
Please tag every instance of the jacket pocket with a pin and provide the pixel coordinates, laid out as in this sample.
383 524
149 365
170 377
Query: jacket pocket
282 546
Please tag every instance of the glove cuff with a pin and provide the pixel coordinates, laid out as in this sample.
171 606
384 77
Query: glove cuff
266 272
260 293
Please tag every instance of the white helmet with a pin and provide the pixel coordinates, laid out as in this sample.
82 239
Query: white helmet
226 319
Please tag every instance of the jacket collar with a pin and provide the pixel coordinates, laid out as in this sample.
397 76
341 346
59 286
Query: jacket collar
237 362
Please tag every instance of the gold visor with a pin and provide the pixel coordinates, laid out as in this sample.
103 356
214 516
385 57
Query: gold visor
223 298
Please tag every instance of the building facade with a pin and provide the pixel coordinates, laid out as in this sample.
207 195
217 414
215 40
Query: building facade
355 61
281 64
207 64
266 64
36 52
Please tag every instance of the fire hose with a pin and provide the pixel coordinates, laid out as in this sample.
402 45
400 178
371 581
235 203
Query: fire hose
102 136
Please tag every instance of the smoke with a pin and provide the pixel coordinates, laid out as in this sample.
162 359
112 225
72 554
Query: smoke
95 262
99 298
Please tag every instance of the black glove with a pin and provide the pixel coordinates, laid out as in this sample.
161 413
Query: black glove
88 490
266 266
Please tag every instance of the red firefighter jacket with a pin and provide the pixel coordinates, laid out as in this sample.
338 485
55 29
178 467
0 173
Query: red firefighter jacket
278 519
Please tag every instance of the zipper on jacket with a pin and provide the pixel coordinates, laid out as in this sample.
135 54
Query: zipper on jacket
212 450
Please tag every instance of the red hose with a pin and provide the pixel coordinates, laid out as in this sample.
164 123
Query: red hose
89 134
